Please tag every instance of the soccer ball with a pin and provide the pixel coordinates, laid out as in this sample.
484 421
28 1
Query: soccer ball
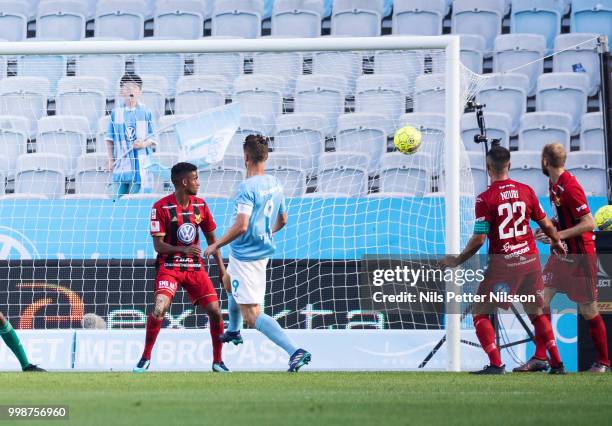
603 218
407 140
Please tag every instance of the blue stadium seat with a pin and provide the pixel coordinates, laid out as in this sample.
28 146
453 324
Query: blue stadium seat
472 52
357 18
564 92
14 135
482 17
91 176
14 17
430 93
180 19
541 128
432 127
498 127
61 19
229 65
383 94
321 94
304 134
410 64
41 174
362 133
592 16
109 67
124 17
345 64
65 135
238 18
590 169
170 66
297 18
197 93
418 17
338 174
249 125
526 167
25 97
289 170
154 90
405 174
592 132
286 65
580 50
537 17
260 95
476 161
506 93
521 54
82 96
51 67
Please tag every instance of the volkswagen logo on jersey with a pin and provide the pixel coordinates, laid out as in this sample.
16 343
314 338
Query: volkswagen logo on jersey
130 133
186 233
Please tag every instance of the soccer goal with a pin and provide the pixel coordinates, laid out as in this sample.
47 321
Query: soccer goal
77 249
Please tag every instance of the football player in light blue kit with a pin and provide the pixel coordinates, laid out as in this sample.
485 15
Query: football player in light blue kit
260 213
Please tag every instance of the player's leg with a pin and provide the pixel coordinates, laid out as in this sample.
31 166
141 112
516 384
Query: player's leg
154 323
597 329
486 336
232 334
12 341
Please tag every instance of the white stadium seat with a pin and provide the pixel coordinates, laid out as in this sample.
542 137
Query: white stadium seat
197 93
65 135
125 17
92 176
14 133
26 97
43 174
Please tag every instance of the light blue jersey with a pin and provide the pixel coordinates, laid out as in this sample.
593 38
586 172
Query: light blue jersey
263 197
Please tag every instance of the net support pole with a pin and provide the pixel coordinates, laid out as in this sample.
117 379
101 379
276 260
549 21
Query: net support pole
452 157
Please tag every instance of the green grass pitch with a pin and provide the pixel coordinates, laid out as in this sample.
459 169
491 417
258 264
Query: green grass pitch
315 398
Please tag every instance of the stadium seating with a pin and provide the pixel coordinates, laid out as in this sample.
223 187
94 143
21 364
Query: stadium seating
167 141
321 94
229 65
154 89
51 67
431 125
541 17
260 95
592 132
238 18
180 19
564 92
498 127
357 18
14 133
65 135
520 54
215 179
197 93
4 167
82 96
482 17
505 93
339 174
476 162
472 51
344 64
158 183
297 18
287 65
430 93
526 167
405 174
92 176
409 64
289 170
362 133
590 169
578 49
169 66
418 17
382 94
109 67
592 16
304 134
26 97
249 125
541 128
42 174
13 20
3 66
124 17
61 19
101 134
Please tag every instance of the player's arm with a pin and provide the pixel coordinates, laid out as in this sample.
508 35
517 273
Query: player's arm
281 221
211 239
471 248
585 223
163 247
239 227
550 231
148 141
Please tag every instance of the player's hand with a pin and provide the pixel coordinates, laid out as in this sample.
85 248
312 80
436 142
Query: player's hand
558 247
192 250
541 236
110 166
448 261
210 250
139 144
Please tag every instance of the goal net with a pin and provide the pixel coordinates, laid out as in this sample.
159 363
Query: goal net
75 254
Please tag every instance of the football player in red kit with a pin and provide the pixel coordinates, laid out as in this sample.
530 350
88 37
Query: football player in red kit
503 213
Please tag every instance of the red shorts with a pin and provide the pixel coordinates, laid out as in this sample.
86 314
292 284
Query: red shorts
196 283
530 283
575 275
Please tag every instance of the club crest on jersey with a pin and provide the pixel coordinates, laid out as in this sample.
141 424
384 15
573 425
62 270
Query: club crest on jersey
198 219
186 233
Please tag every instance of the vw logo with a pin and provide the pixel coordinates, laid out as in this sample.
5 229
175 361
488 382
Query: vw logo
186 233
130 133
15 245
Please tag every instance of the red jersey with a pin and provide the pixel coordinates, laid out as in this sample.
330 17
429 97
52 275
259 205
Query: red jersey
180 227
569 200
503 212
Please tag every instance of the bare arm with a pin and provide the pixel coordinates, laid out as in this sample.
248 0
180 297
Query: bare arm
281 221
551 232
162 247
211 239
471 248
239 227
586 223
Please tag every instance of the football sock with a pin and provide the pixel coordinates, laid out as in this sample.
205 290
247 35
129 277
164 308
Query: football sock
543 331
153 327
600 339
12 341
273 331
540 342
216 329
486 337
235 317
